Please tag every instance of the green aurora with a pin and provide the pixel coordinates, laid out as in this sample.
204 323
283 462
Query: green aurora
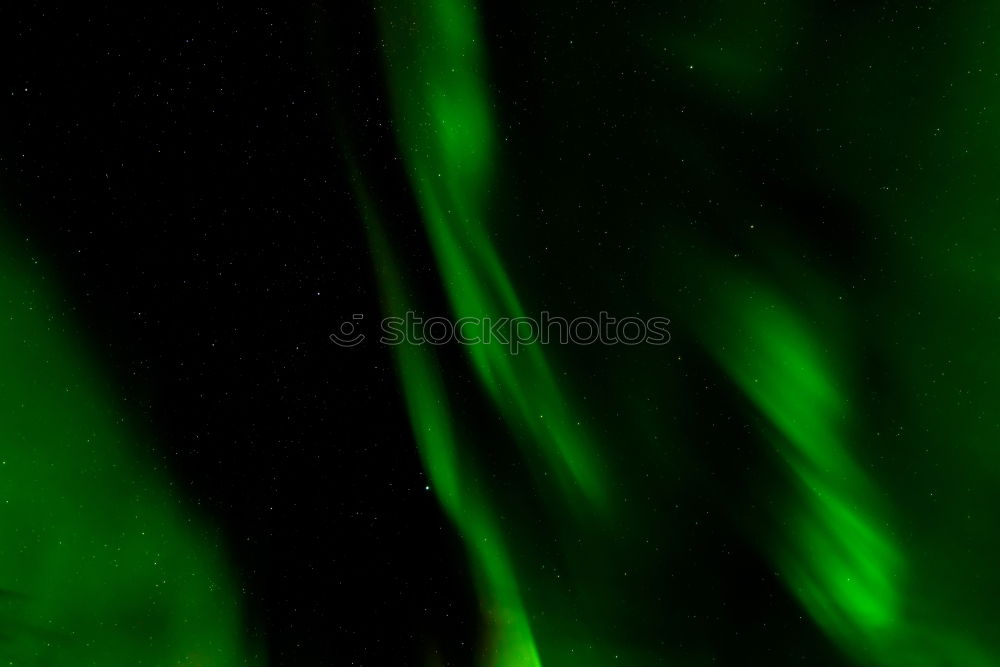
877 510
852 409
100 564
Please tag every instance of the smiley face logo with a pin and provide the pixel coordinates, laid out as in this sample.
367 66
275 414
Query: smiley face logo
348 335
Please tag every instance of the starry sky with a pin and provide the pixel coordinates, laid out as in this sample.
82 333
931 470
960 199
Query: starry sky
192 199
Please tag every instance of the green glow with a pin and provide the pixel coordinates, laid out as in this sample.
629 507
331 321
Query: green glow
99 564
871 388
445 129
452 474
835 543
837 552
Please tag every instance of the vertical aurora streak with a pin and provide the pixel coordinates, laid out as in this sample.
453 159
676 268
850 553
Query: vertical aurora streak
836 552
445 129
450 472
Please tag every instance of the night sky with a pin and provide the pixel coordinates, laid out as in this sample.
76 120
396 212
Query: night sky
177 172
193 198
